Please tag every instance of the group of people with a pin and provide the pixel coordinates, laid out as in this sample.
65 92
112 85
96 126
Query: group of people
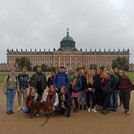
87 88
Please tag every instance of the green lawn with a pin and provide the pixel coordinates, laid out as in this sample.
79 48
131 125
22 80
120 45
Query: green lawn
4 74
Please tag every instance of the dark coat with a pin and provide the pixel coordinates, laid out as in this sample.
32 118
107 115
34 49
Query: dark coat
125 85
67 101
98 90
50 81
34 80
78 86
84 82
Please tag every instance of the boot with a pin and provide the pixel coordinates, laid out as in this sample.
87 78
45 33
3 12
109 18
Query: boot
80 107
68 112
84 107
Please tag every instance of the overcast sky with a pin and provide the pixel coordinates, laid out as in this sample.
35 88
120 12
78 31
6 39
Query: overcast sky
41 24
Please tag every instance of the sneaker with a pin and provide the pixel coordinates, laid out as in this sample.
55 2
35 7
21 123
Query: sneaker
88 109
93 110
37 115
19 108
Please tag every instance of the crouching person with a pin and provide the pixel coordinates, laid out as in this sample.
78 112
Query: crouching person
33 96
51 98
65 101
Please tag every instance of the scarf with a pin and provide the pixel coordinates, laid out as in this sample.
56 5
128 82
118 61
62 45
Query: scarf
74 82
52 101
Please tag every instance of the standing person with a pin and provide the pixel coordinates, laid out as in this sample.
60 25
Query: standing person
70 78
76 89
125 86
61 79
116 71
114 96
98 90
23 84
108 86
83 90
39 81
11 84
90 91
51 79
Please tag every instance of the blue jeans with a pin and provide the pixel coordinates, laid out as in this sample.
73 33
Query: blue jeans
10 99
83 95
26 110
114 100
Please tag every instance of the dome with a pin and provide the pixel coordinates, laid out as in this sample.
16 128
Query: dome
67 37
67 43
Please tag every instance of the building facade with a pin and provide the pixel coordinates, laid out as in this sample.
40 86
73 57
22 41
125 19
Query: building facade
67 55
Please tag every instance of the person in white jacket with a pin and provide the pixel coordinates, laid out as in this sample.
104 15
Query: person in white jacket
51 98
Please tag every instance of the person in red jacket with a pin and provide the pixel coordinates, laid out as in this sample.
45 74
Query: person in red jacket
125 86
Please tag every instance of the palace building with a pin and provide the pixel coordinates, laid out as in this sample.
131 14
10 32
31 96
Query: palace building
67 55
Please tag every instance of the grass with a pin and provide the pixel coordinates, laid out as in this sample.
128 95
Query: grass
4 74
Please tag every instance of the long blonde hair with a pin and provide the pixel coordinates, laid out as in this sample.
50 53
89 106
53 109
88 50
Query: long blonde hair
89 77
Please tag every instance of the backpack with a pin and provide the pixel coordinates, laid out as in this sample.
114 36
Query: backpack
64 75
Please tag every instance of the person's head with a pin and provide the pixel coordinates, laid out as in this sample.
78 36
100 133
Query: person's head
93 72
122 74
57 70
105 75
105 70
82 72
52 73
98 72
51 89
86 69
24 70
38 69
63 90
76 74
116 70
70 70
12 72
65 69
111 72
62 70
33 90
89 73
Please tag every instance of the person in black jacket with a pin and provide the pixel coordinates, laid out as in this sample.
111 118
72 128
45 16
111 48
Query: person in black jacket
98 90
39 81
83 90
90 91
50 79
65 101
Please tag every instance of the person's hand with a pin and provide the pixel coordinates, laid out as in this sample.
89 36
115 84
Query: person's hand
63 106
119 91
89 89
53 109
42 101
